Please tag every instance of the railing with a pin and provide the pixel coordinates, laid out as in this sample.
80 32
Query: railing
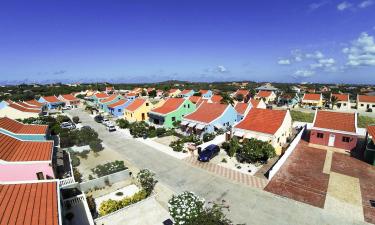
76 200
66 181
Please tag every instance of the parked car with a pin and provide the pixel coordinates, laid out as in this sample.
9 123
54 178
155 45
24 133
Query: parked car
208 153
105 121
111 128
67 107
98 118
67 125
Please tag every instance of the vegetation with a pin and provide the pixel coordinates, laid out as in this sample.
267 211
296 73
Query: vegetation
123 123
212 215
110 205
302 116
226 99
85 136
96 145
177 145
75 119
146 179
364 121
232 146
254 150
75 160
186 207
77 175
92 205
333 101
109 168
208 137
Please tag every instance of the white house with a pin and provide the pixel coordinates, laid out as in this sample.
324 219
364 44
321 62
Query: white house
343 101
365 102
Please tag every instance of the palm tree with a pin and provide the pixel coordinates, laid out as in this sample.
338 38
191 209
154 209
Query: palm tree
226 99
334 101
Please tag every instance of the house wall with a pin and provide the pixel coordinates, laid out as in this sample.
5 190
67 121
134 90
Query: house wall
208 95
366 105
343 105
312 103
338 139
23 172
282 134
136 115
16 114
179 113
262 105
104 106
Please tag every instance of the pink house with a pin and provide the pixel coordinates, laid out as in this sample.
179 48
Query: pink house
335 129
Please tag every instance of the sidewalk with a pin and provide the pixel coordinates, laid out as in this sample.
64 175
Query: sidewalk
162 148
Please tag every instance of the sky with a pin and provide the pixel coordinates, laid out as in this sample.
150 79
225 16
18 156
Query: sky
148 41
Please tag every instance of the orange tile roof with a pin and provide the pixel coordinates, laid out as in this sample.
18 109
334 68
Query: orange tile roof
366 98
263 120
242 92
19 128
69 97
201 101
312 97
12 149
203 91
109 99
186 91
29 203
28 106
264 94
170 105
216 98
207 112
335 121
131 94
341 97
135 104
51 99
195 99
23 109
173 91
34 102
254 102
371 131
118 103
101 95
241 107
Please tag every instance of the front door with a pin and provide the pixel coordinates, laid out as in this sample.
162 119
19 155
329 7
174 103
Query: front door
331 141
143 116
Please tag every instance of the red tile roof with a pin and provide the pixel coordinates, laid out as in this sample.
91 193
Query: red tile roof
109 99
136 104
28 106
242 92
118 103
23 109
195 99
207 112
312 97
131 94
173 91
241 107
371 131
341 97
263 120
203 91
254 102
51 99
264 94
29 203
101 95
34 102
216 98
169 105
366 98
335 121
12 149
70 97
186 91
19 128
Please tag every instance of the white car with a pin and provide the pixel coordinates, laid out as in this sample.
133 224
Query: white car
105 121
67 107
111 127
68 125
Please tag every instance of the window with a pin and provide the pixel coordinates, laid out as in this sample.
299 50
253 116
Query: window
373 106
362 104
345 139
40 175
173 118
119 110
146 103
344 104
319 135
189 106
184 106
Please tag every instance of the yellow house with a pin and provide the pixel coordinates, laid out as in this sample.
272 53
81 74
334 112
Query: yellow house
159 103
174 93
137 110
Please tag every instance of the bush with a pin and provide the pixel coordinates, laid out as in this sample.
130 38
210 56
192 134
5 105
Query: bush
254 150
85 135
77 175
92 205
109 168
138 129
61 118
364 121
75 119
96 145
75 160
160 132
208 137
177 145
123 123
234 145
147 180
83 154
186 207
67 139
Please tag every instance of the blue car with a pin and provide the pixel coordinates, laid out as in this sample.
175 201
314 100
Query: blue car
208 153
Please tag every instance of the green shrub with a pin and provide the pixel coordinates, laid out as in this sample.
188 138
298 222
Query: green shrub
77 175
96 145
254 150
123 123
160 132
177 145
75 160
146 179
110 205
208 137
75 119
109 168
138 129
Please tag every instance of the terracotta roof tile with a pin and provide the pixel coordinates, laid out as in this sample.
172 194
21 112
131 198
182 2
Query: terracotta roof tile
135 104
34 102
70 97
23 109
12 149
101 95
109 99
203 91
186 91
264 94
19 128
29 203
216 98
131 94
195 99
51 99
241 107
371 131
312 97
170 105
28 106
242 92
335 121
341 97
263 120
173 91
207 112
254 102
118 103
366 98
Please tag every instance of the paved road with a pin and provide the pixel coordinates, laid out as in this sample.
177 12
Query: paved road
247 205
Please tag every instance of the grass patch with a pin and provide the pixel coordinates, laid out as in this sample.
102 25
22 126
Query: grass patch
364 121
302 116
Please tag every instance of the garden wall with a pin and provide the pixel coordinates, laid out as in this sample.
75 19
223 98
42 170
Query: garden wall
101 181
287 153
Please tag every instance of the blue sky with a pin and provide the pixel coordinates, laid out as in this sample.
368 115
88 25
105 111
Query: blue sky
147 41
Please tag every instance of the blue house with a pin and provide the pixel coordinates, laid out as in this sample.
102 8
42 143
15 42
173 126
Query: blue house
117 109
24 132
242 109
186 93
51 102
289 99
209 118
103 104
206 94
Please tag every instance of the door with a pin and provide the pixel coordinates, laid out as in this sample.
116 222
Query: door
331 141
143 116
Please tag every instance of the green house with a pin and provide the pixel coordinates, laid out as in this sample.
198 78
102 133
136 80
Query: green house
171 111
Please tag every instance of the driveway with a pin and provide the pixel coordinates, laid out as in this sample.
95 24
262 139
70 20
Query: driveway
247 205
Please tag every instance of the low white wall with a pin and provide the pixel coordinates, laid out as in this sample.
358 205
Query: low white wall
218 140
101 181
287 153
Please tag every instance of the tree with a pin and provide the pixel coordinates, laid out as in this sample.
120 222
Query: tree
185 208
152 94
334 101
208 137
77 175
213 215
146 179
197 94
254 150
138 129
240 97
226 99
96 145
234 145
76 119
123 123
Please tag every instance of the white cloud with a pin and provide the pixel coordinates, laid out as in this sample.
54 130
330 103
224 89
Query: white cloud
221 69
343 6
365 4
284 62
304 73
317 5
297 55
361 52
315 55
